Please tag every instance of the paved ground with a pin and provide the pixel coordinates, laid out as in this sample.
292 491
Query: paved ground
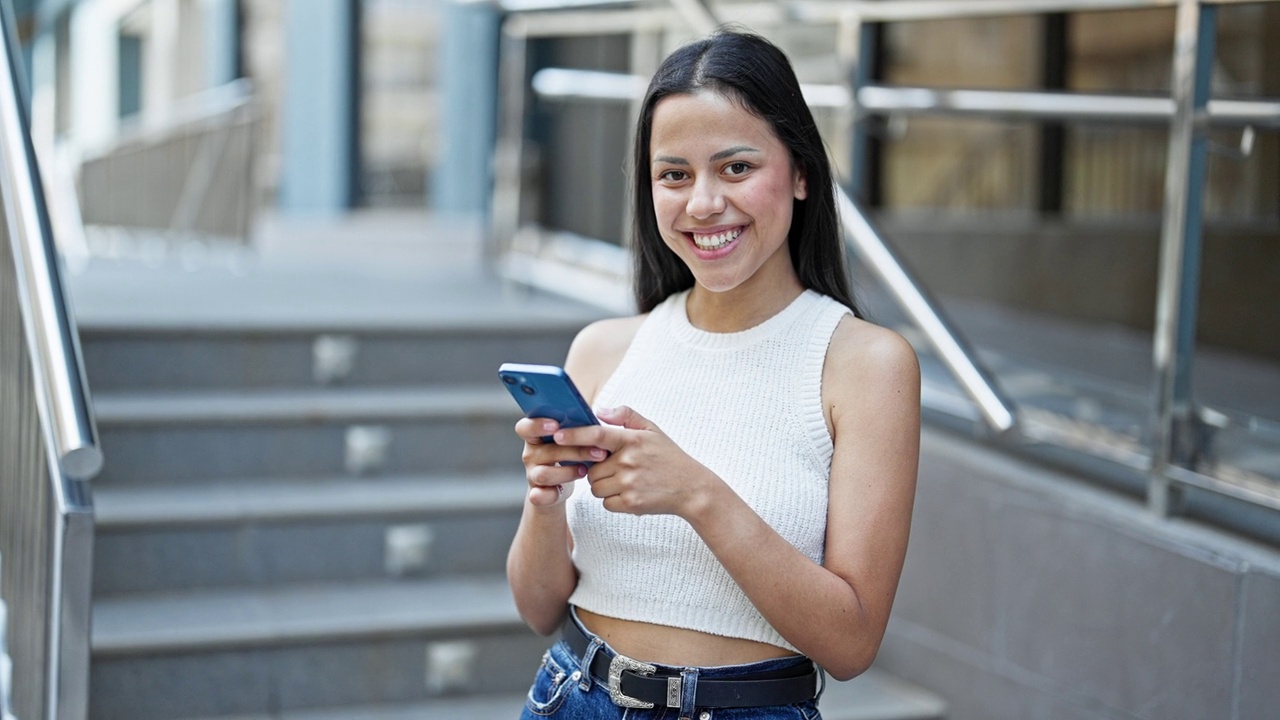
372 267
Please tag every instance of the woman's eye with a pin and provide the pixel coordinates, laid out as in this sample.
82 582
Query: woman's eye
673 176
737 168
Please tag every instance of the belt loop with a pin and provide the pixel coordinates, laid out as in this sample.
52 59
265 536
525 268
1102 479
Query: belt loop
585 683
688 691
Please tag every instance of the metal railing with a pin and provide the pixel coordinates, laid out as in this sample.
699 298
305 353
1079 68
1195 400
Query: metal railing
191 178
1179 432
526 252
48 441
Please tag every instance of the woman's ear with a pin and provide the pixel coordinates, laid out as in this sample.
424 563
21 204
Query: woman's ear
800 186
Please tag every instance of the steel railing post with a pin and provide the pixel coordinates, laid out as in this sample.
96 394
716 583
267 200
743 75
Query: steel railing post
1176 439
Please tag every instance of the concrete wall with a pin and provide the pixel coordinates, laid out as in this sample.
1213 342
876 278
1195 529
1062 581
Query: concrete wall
1030 594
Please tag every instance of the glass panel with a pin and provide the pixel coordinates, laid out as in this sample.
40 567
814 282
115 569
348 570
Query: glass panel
583 192
1127 51
1115 172
968 165
948 163
991 53
1236 372
399 47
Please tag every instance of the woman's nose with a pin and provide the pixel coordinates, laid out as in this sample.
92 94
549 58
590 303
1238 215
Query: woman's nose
705 199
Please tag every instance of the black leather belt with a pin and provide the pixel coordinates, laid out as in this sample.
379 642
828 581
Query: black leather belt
635 684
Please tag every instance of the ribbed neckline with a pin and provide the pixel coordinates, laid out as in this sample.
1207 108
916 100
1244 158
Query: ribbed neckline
685 331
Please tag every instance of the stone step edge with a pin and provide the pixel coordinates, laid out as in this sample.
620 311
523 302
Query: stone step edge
130 508
190 623
874 695
476 707
93 328
308 406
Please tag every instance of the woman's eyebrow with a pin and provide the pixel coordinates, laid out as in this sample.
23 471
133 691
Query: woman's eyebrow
726 153
730 152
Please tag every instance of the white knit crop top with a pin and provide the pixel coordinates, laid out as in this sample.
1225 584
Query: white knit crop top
748 405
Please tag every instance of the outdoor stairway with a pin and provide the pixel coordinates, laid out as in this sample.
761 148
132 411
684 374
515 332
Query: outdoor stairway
307 521
269 543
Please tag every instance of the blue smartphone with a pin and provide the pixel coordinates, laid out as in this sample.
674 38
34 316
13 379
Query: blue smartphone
546 391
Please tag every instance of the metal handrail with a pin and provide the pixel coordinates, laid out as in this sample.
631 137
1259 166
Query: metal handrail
1029 105
570 84
189 172
576 84
51 326
48 437
995 407
209 106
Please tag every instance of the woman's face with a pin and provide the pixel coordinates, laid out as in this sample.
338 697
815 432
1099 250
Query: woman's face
723 186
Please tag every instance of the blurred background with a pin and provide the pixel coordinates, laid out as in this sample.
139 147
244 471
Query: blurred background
263 258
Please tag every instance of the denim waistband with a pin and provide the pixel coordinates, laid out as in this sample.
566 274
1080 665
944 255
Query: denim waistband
776 681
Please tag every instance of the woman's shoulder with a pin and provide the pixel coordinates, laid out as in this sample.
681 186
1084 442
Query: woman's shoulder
598 349
608 336
863 356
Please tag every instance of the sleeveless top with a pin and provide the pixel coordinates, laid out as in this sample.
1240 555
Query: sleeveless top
748 405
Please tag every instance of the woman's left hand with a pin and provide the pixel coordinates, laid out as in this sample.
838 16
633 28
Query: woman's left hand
646 472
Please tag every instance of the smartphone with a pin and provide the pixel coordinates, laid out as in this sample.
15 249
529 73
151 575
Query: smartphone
546 391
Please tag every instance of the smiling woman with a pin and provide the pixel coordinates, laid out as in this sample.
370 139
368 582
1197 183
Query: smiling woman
723 185
745 521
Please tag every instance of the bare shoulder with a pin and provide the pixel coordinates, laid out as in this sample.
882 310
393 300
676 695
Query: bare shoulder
870 347
866 365
598 349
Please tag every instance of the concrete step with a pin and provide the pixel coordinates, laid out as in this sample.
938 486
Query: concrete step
874 695
186 437
505 706
240 534
138 357
255 652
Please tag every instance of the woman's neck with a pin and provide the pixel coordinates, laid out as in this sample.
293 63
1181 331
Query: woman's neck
741 308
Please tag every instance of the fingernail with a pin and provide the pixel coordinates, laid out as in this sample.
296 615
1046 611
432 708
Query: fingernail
558 437
548 426
597 454
582 471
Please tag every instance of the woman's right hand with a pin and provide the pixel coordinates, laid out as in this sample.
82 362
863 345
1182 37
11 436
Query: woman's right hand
547 466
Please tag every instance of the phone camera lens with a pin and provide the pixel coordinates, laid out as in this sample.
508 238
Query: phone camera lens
528 390
508 380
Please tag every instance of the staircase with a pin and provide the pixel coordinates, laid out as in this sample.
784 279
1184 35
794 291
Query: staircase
306 518
268 544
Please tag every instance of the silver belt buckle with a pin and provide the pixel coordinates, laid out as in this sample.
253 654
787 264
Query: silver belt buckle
617 666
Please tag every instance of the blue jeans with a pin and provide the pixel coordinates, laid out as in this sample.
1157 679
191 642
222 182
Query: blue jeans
562 690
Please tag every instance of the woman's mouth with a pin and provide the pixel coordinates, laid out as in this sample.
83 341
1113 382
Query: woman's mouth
715 241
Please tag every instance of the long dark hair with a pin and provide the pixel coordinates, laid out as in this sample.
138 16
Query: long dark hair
753 72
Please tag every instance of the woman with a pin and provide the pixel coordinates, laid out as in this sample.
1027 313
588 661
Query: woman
747 512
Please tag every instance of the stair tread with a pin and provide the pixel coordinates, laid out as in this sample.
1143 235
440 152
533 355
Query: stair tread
568 320
272 500
319 404
272 616
482 707
874 695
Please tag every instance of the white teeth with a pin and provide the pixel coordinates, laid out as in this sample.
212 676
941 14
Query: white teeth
717 241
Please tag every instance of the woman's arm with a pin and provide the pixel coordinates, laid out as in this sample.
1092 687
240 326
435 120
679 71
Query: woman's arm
835 613
540 568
